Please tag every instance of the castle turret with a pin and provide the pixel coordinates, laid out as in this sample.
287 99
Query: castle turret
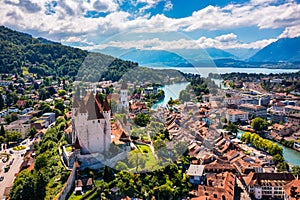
124 96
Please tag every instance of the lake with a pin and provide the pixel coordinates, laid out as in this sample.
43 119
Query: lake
204 71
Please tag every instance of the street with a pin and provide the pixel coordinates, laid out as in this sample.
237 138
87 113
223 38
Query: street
14 168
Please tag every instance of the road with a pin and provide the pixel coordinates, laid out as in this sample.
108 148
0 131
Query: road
9 176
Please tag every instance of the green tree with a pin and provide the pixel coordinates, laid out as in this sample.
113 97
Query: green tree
2 131
41 161
283 166
259 124
61 92
278 159
296 170
142 119
2 103
12 136
32 132
121 166
23 187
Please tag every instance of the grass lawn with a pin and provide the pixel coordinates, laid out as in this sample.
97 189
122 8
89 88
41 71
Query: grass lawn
150 159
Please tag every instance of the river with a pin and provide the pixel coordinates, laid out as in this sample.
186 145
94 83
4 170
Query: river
290 155
173 91
204 71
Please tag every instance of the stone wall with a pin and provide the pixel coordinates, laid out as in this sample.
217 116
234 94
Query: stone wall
69 185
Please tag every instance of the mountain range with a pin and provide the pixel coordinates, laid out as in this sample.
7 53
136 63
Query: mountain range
46 57
283 53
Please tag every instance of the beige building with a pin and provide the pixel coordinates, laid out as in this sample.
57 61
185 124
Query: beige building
235 115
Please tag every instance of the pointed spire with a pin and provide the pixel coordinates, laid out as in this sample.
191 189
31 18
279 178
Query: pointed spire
124 85
106 105
75 102
82 107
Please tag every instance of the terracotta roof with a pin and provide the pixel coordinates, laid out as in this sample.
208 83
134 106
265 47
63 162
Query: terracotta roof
268 179
219 186
292 189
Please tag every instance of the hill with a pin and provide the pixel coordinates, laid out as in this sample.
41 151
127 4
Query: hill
283 50
176 58
45 57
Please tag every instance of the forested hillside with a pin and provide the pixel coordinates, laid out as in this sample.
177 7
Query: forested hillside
44 57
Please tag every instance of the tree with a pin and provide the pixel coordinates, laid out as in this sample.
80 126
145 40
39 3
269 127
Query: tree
61 92
278 159
32 132
12 136
296 170
1 102
259 124
41 161
142 119
232 128
121 166
23 187
283 166
2 131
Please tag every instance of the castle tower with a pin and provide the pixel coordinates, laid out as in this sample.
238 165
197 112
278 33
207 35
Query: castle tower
107 126
123 97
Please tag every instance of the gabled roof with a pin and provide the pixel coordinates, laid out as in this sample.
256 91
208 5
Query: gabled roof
93 108
75 102
82 107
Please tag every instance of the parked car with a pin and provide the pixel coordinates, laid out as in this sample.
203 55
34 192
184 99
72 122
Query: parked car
1 178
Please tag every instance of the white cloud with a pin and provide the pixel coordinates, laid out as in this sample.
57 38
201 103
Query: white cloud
228 41
68 20
168 6
291 32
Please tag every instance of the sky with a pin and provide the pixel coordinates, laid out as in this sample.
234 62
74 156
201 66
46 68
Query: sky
155 24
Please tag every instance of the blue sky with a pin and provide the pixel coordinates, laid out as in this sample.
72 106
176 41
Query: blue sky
155 24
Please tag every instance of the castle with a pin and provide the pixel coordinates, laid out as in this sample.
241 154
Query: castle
91 131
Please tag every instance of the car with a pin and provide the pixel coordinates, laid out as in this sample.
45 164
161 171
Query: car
1 178
11 152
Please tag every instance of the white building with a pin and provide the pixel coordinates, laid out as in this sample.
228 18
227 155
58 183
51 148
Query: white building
266 185
123 97
91 125
235 115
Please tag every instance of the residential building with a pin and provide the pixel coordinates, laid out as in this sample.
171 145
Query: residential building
50 117
254 110
292 190
196 174
278 116
290 109
266 185
13 110
235 115
294 118
278 106
20 126
217 186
